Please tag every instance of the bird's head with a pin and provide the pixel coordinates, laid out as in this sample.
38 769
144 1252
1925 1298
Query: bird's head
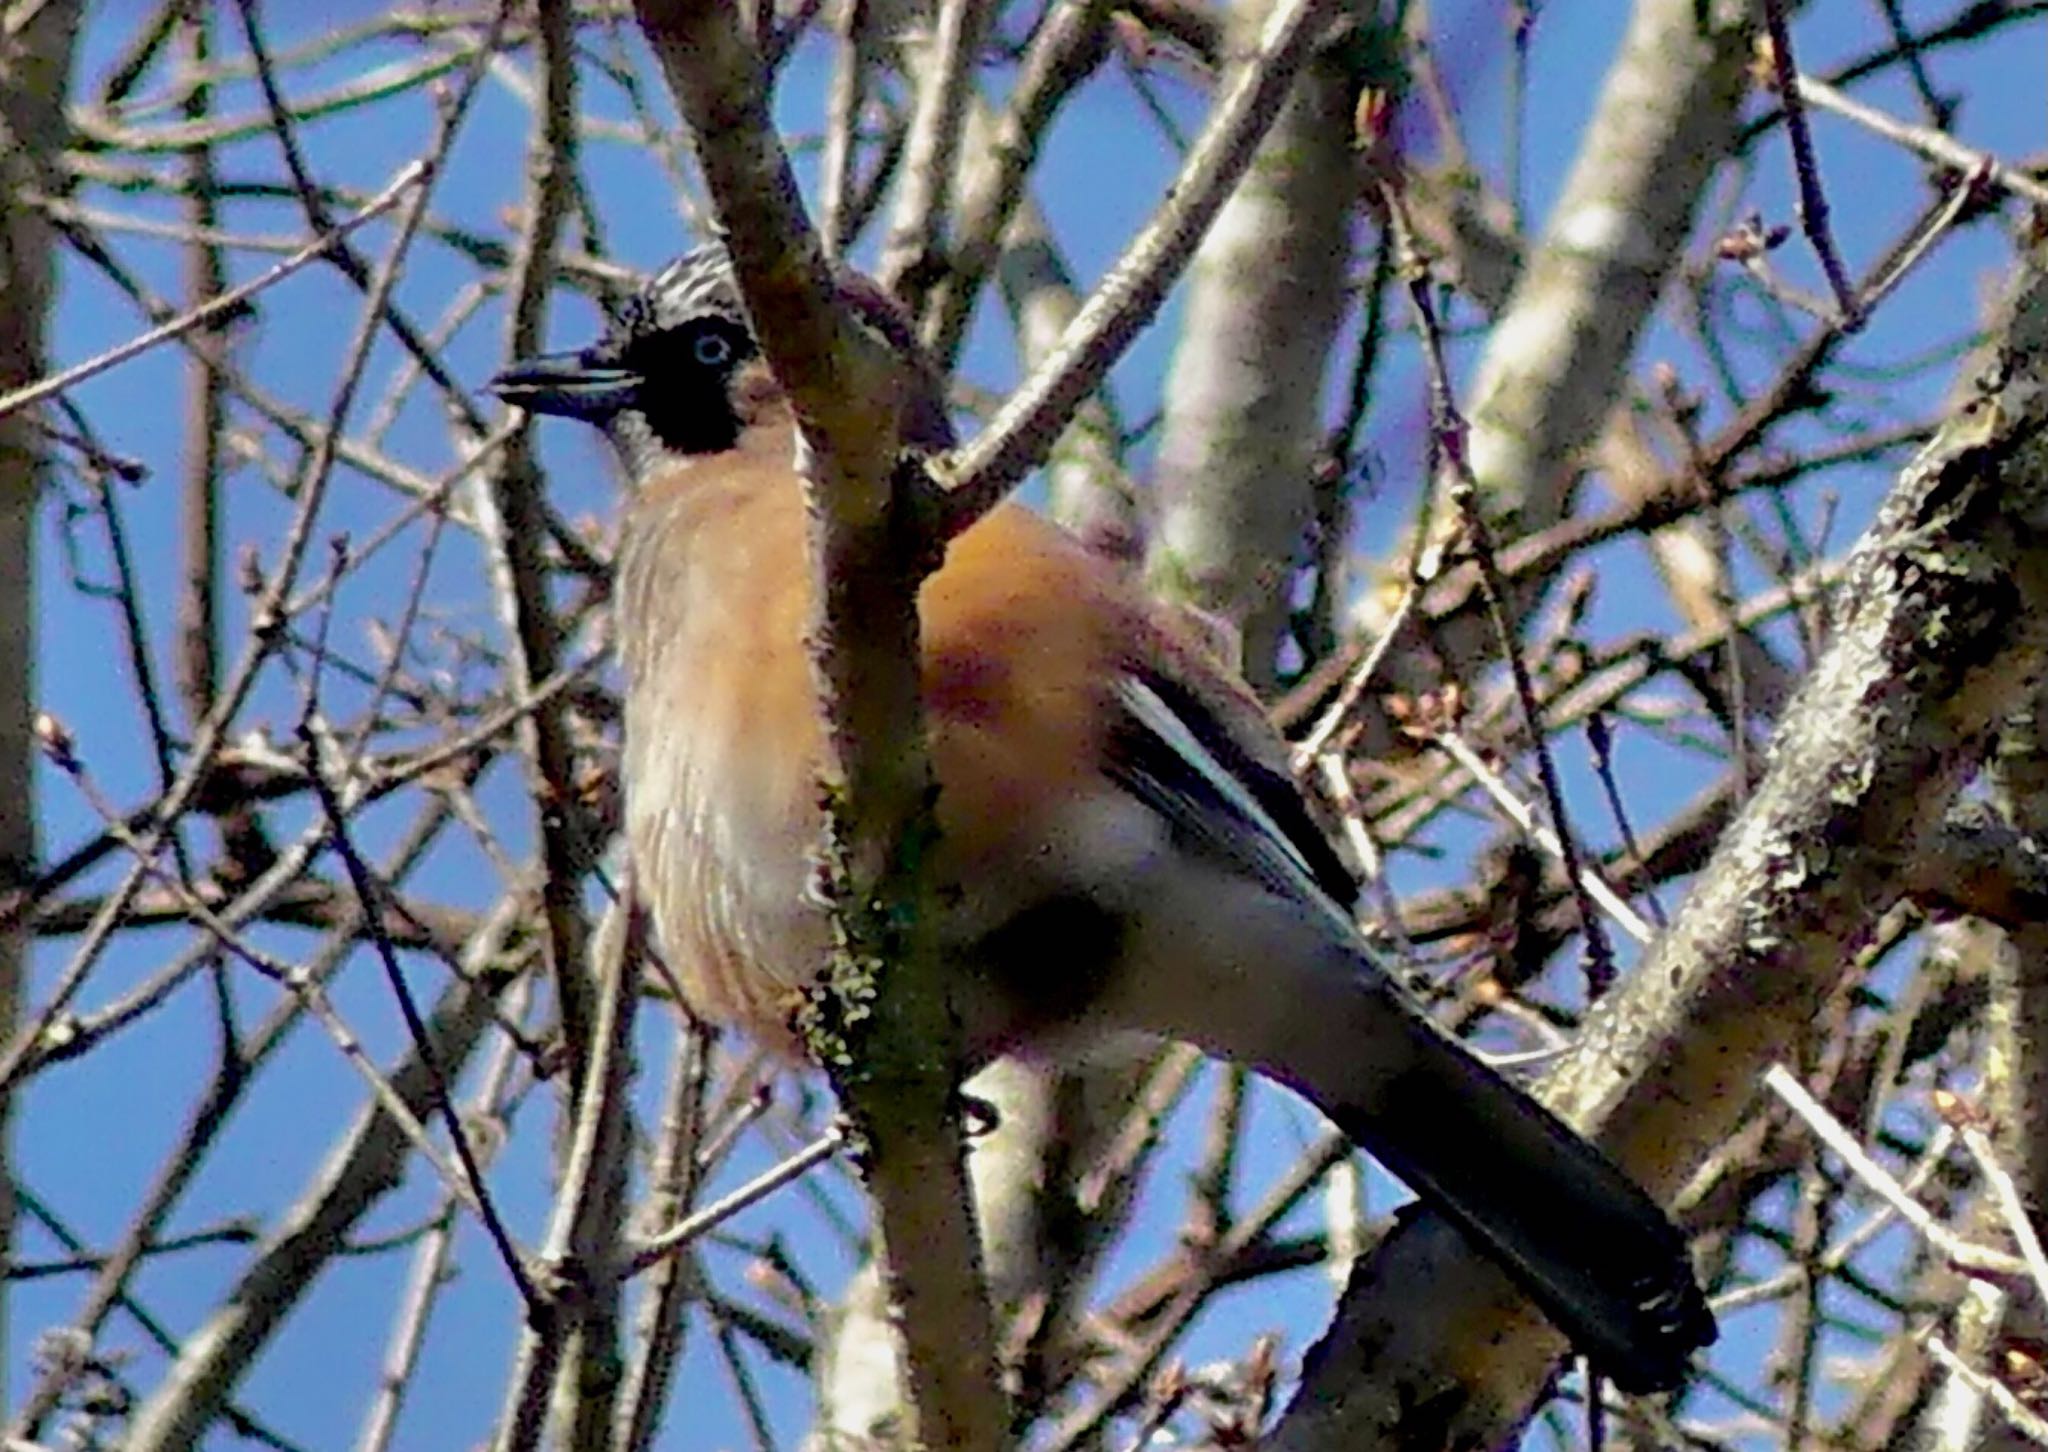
677 373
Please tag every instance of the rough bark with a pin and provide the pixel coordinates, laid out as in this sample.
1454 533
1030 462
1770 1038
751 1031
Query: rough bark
1943 630
35 77
1243 400
1554 363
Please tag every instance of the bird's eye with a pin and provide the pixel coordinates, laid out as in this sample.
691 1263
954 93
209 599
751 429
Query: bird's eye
713 350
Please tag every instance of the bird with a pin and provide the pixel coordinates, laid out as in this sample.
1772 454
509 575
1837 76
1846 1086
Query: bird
1122 850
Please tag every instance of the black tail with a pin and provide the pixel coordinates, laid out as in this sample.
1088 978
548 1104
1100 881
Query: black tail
1582 1239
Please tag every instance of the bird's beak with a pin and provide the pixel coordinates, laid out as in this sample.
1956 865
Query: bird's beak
573 385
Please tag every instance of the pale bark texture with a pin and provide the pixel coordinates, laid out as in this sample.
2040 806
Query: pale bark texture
35 80
1239 437
1553 363
1089 489
1943 627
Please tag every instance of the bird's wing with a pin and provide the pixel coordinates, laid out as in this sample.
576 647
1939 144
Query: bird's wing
1215 776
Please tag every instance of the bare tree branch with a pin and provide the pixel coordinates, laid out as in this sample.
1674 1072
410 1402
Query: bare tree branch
896 1075
35 80
1938 628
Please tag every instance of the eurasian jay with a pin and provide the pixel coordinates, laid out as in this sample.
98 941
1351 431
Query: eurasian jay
1122 849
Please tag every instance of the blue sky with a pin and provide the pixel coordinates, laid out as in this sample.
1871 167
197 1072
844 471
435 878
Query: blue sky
91 1134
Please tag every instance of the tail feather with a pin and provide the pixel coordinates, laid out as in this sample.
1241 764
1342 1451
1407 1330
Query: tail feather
1587 1244
1221 959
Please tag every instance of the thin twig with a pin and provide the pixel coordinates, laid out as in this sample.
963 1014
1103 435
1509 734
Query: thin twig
1447 436
579 1316
1601 739
1031 419
1327 725
1084 1423
662 1318
1962 1254
2012 1206
429 1270
2022 1418
1071 42
1937 146
416 1025
1813 201
924 201
1591 883
409 176
846 102
725 1207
